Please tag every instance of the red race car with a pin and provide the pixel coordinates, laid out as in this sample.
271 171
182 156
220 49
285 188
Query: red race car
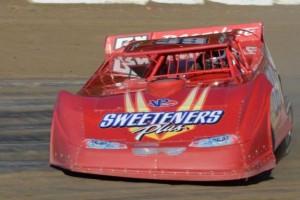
201 104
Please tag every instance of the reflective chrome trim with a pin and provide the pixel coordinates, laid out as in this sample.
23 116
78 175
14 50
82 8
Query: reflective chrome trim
172 151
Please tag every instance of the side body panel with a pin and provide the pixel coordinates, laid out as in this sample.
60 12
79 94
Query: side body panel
280 122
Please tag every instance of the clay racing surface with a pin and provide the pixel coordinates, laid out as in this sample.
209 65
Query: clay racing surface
46 48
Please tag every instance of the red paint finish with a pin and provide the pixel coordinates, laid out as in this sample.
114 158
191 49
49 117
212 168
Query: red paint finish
160 95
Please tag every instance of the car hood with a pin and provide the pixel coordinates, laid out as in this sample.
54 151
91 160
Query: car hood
193 113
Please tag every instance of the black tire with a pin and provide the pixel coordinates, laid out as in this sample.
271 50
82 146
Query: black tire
287 140
284 147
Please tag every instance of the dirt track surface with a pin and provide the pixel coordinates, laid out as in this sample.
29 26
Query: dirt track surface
46 48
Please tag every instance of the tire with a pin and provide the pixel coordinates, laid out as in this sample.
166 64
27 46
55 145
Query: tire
284 147
287 140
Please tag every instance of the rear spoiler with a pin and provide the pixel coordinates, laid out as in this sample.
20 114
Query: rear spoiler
117 43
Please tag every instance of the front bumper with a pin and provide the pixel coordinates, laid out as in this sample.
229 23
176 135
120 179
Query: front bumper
194 164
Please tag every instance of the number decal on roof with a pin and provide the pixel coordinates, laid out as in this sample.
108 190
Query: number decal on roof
183 41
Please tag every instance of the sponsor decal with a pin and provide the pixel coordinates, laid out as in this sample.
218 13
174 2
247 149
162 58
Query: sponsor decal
123 65
120 42
123 41
162 103
142 122
244 32
182 41
250 50
160 122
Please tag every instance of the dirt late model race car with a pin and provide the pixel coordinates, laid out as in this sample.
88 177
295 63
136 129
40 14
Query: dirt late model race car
201 104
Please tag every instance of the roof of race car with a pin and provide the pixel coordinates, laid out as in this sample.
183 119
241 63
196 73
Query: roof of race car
171 45
230 58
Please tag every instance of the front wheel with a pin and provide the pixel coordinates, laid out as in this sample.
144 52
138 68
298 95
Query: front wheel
288 138
284 148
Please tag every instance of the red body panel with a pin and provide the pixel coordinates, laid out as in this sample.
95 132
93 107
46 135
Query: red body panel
243 110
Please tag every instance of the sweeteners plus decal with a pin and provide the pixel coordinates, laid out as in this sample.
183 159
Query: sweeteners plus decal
142 122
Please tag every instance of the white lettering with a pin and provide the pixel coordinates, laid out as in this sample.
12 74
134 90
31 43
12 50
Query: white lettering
179 117
201 118
250 50
166 118
124 41
214 117
160 122
133 120
107 120
121 120
142 61
158 129
152 118
244 32
122 66
191 117
144 119
156 117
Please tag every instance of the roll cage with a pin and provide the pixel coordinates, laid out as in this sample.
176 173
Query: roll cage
222 57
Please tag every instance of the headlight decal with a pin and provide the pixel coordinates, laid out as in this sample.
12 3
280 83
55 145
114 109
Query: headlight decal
216 141
101 144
